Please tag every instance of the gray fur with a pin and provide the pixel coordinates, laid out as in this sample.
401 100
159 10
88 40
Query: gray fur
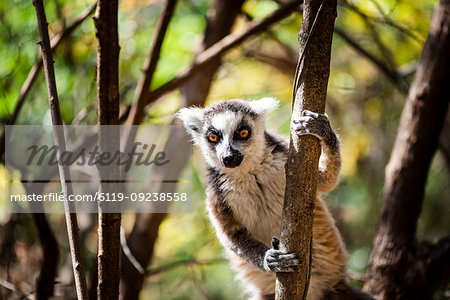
245 198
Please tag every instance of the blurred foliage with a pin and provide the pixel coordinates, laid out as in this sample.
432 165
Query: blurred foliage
364 107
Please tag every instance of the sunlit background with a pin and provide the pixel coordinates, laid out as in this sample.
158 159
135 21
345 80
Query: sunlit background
363 105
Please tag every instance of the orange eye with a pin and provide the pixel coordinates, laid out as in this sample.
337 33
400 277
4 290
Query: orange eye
213 137
243 133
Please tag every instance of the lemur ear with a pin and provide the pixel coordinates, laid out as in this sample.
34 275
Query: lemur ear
192 119
265 105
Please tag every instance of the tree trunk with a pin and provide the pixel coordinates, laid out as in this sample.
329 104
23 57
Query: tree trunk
310 91
109 219
145 229
400 267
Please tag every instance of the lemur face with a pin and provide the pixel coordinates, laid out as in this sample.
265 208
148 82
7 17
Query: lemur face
229 133
229 137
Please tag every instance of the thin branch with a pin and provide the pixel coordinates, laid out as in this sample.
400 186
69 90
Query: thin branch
385 20
283 63
151 63
137 109
32 75
128 254
64 173
390 73
221 47
108 106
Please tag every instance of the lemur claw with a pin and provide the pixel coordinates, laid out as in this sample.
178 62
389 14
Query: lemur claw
276 260
315 124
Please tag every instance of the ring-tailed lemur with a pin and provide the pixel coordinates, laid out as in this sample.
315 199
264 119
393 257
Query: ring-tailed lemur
245 192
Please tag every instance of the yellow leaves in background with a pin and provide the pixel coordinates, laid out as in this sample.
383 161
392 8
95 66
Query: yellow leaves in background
355 146
6 177
249 80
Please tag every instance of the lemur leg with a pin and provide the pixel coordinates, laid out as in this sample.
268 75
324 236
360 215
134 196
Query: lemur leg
330 161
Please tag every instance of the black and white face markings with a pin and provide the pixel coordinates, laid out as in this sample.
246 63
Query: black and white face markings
228 140
230 133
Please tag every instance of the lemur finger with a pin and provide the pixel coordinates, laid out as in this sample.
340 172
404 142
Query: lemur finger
300 120
288 256
285 269
294 262
275 253
310 113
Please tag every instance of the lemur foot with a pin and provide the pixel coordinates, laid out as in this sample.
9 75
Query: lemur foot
276 260
315 124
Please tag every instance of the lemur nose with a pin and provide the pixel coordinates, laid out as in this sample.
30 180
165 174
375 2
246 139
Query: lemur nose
227 160
232 160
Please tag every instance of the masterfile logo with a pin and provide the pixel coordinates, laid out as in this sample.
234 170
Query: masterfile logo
150 178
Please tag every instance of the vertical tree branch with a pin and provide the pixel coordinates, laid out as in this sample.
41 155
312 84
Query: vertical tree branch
397 266
106 24
310 90
64 173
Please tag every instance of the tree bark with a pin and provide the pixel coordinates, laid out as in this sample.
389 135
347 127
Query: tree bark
73 231
106 24
196 81
310 90
400 267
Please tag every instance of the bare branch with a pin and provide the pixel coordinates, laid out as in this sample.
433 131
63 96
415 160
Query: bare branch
384 20
137 109
32 75
64 173
390 73
285 64
106 24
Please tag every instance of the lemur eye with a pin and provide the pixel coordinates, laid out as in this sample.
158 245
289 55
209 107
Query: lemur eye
243 133
213 137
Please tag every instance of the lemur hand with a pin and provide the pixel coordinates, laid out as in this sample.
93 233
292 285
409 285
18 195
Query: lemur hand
276 260
315 124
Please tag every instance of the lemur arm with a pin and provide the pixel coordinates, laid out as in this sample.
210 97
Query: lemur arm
329 164
237 238
330 161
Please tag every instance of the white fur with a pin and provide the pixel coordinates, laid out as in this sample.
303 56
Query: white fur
264 105
255 192
192 118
